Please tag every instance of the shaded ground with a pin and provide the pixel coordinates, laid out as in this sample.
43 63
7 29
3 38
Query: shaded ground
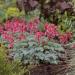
72 63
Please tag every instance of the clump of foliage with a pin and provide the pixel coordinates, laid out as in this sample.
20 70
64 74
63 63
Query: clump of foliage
8 10
13 12
7 67
32 46
66 22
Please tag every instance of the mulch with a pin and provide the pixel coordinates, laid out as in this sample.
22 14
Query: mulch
60 69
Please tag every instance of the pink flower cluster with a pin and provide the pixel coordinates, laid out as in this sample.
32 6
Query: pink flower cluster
51 30
21 37
38 35
15 26
19 26
11 28
64 38
73 46
1 29
33 26
8 37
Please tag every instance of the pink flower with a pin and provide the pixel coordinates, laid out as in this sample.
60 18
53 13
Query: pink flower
36 21
19 26
21 37
11 39
1 29
46 26
32 26
4 35
69 35
73 46
38 35
51 30
15 26
8 37
22 27
65 37
10 45
8 25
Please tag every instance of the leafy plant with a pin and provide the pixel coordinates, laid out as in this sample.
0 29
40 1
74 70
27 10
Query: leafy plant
7 67
47 8
12 12
8 10
30 45
65 22
30 51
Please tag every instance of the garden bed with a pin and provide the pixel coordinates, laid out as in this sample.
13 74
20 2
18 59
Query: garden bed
37 37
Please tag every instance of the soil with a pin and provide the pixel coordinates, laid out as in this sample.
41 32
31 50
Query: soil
49 70
71 71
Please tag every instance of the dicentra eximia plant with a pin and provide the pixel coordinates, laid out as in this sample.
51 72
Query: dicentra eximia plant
29 45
